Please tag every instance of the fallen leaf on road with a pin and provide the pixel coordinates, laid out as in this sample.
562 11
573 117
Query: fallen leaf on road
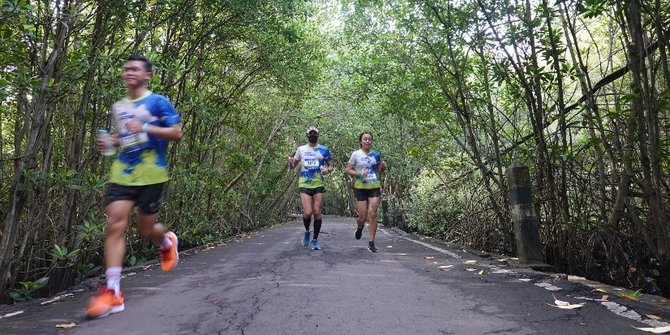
428 257
525 279
389 246
569 306
9 315
66 325
600 290
657 330
564 304
631 295
445 266
559 302
653 317
605 297
471 269
470 261
501 271
480 272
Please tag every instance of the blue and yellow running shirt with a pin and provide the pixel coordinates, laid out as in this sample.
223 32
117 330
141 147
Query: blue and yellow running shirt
365 166
312 159
142 159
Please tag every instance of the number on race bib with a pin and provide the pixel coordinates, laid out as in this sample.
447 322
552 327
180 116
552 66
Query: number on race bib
311 163
133 140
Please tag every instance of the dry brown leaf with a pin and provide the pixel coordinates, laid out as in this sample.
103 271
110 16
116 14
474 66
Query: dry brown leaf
470 261
445 266
66 325
657 330
428 257
480 272
600 290
653 317
605 297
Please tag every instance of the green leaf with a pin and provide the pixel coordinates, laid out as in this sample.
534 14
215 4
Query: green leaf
17 296
8 6
41 282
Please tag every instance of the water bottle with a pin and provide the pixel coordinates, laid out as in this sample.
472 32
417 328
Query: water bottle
108 149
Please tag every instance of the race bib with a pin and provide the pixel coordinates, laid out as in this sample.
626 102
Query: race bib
311 163
133 140
370 177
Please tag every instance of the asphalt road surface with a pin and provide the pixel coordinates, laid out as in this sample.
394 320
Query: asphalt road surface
268 283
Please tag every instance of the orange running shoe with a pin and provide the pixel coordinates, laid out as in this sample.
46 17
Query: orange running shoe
170 256
105 303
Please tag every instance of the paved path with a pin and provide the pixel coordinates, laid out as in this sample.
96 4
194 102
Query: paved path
267 283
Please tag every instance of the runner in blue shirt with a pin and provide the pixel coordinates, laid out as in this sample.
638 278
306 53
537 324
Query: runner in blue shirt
365 165
142 125
315 163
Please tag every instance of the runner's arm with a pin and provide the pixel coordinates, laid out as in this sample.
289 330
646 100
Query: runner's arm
349 169
171 133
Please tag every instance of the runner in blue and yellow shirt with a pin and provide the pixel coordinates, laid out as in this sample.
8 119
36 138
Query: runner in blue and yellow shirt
365 165
142 125
315 162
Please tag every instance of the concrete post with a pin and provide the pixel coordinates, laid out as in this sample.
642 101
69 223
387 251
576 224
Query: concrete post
527 236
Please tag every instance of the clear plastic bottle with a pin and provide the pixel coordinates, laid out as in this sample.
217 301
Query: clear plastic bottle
108 149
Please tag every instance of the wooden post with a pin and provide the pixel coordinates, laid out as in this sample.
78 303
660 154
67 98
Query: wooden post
526 233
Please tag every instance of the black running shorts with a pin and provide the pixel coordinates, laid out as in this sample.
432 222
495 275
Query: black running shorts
312 191
148 198
365 194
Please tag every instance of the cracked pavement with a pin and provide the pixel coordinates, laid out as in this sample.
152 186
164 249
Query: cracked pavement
266 282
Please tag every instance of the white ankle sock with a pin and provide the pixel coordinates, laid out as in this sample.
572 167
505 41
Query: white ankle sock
113 275
166 242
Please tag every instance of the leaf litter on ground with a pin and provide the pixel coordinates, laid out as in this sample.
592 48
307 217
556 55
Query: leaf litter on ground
565 305
66 325
657 330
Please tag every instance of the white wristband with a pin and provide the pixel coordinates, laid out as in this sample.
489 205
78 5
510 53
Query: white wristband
145 127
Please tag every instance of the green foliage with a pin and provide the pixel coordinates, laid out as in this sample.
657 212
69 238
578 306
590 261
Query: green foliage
62 255
28 289
453 92
592 8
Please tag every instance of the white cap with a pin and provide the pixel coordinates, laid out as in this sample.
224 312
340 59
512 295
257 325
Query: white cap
312 129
